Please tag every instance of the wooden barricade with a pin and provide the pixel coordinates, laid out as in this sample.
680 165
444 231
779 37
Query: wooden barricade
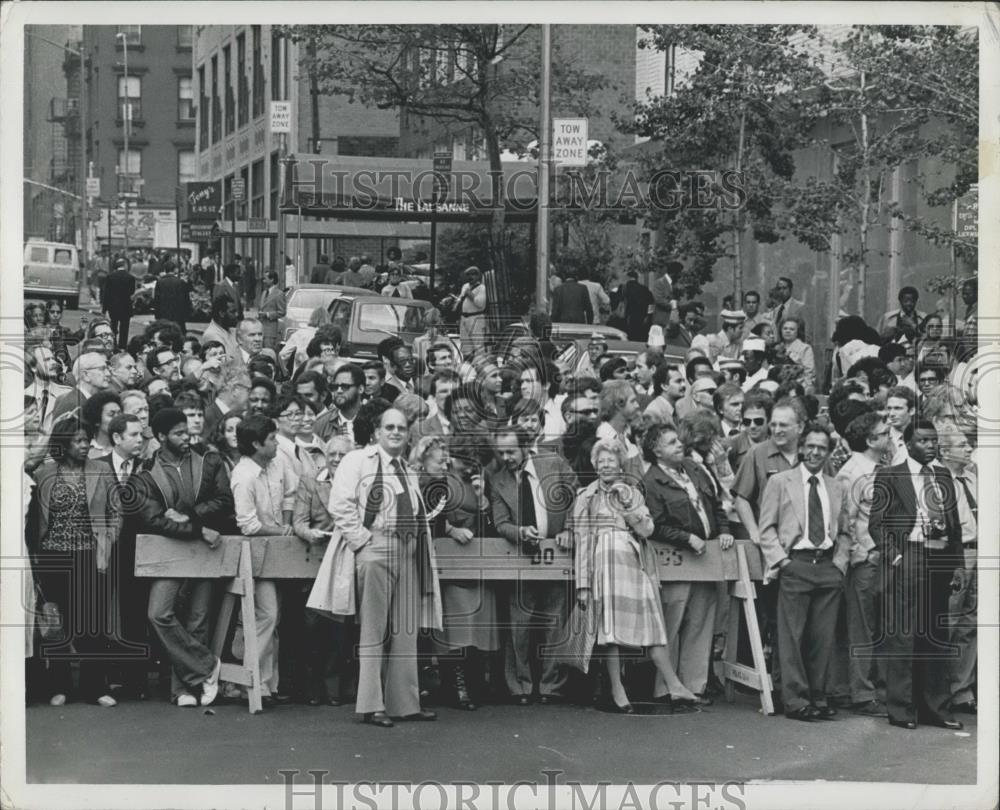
241 560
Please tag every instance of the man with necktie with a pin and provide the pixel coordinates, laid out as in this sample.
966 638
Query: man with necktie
531 497
805 537
915 525
376 504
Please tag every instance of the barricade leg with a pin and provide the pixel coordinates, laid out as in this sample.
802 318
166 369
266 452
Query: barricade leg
756 676
251 655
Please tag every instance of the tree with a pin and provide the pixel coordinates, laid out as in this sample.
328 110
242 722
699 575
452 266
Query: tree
739 109
483 77
902 94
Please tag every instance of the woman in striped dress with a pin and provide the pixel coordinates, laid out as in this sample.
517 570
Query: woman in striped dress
616 571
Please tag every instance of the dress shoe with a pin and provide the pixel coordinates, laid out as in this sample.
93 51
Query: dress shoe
826 712
703 700
380 719
968 707
549 700
522 700
909 724
871 708
806 713
423 714
952 724
332 701
186 700
58 700
614 708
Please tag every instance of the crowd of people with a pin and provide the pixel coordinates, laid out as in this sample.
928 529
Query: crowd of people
862 503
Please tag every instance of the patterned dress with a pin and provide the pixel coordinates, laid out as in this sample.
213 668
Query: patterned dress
614 560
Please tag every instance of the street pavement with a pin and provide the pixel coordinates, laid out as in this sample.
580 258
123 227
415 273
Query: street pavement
155 742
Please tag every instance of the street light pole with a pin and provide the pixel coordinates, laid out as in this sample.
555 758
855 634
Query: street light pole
126 124
544 156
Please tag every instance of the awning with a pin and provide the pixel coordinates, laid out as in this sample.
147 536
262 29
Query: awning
403 190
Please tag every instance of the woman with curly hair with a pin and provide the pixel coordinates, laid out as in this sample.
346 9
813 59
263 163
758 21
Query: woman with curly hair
97 413
616 572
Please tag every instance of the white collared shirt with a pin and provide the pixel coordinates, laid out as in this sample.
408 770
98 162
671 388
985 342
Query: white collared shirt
681 477
222 406
805 543
261 493
286 453
119 462
541 511
606 431
919 484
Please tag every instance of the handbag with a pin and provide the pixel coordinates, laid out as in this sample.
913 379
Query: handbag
49 620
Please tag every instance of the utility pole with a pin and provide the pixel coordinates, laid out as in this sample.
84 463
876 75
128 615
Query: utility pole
282 168
127 123
544 155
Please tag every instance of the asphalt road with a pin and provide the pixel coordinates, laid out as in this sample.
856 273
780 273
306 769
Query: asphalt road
155 742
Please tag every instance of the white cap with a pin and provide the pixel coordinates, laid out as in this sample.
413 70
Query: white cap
733 316
754 344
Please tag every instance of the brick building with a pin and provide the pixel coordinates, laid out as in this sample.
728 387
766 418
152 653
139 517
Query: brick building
160 157
238 71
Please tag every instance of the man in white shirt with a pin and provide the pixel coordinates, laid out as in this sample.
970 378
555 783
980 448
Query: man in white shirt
725 344
598 297
753 351
868 437
287 414
899 407
249 338
263 496
472 326
804 534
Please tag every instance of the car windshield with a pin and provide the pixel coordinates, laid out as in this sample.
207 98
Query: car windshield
391 318
310 299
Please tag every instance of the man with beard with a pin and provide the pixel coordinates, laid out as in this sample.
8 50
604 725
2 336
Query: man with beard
581 414
225 316
400 367
184 495
527 495
163 364
346 388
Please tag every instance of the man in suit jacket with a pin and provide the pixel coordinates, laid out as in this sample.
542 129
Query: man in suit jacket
172 297
532 497
571 302
184 495
805 537
916 528
376 503
44 388
95 375
272 307
116 301
229 287
787 307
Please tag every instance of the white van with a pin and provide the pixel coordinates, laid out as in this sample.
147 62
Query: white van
52 270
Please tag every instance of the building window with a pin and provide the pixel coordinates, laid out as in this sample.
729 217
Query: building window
185 36
133 34
185 98
227 83
242 86
275 66
130 91
203 111
275 183
130 171
216 103
257 189
187 167
227 197
258 72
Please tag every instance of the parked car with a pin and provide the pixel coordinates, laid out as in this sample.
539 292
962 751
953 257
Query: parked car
572 357
562 335
365 320
52 270
302 299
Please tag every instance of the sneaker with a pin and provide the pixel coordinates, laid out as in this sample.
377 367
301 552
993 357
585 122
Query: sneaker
186 700
210 686
106 701
57 700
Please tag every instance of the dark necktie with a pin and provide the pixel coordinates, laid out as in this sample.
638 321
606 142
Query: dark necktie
376 496
395 293
404 506
932 496
781 311
734 432
43 406
526 502
817 532
970 497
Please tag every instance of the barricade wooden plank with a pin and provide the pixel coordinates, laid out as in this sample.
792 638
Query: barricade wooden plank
487 558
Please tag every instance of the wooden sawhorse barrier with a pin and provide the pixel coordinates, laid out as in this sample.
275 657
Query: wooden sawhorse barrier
241 560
